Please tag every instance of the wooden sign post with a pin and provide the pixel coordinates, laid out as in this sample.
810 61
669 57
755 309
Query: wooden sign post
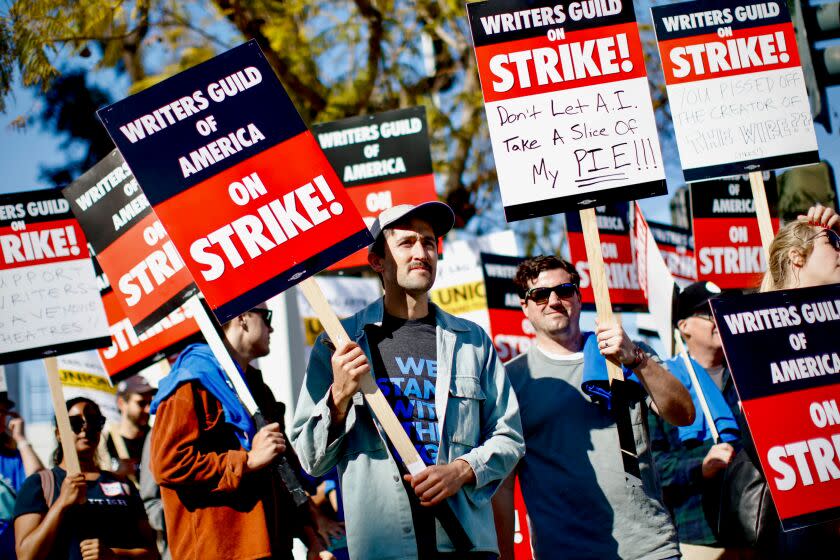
762 212
62 419
707 413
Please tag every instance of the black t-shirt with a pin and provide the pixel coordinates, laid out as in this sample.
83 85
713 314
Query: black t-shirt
404 354
112 514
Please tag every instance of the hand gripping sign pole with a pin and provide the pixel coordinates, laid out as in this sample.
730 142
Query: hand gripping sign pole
762 212
683 352
383 411
211 335
62 419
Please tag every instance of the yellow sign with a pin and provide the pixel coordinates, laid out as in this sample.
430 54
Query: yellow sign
458 300
86 381
313 327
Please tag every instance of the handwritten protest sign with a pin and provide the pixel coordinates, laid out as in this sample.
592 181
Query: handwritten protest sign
568 105
239 183
735 86
790 392
132 247
614 232
82 375
677 247
511 332
48 295
728 247
131 351
384 160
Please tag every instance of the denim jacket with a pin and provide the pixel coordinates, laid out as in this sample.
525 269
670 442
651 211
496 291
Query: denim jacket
478 419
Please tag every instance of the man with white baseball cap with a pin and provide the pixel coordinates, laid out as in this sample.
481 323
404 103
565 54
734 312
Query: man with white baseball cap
447 387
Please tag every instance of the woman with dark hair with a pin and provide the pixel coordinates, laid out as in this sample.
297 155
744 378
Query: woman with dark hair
93 516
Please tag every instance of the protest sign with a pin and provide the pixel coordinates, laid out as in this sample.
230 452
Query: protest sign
735 86
48 295
384 160
728 246
83 375
510 330
789 392
614 233
568 105
522 549
677 247
131 351
345 294
241 186
655 279
131 245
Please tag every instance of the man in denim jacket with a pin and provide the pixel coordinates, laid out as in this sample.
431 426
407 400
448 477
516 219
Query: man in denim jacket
445 383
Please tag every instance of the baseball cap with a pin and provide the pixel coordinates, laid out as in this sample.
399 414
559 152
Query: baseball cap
136 384
439 215
693 298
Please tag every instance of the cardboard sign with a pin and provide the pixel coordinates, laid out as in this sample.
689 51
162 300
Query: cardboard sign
522 549
384 160
677 247
614 231
727 240
655 279
132 247
568 105
345 294
245 192
790 393
48 295
131 351
511 331
82 375
735 86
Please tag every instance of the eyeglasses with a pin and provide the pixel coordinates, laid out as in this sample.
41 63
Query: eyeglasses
88 423
266 314
540 295
705 316
832 236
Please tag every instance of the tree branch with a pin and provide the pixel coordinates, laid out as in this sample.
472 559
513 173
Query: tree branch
376 32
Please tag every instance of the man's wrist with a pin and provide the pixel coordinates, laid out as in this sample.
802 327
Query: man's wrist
338 412
22 442
467 474
639 359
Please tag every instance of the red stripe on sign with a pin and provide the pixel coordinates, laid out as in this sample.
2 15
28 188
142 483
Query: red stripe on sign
259 218
128 349
372 199
42 243
750 50
729 251
622 277
797 436
144 268
583 58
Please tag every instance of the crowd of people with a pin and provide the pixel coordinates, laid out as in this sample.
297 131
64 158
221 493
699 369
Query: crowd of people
632 470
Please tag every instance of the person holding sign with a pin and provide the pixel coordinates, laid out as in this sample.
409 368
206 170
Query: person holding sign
805 252
91 515
17 461
220 499
581 502
441 376
690 458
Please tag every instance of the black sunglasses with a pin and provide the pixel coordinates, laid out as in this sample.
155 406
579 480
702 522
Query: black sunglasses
833 238
541 295
89 423
266 314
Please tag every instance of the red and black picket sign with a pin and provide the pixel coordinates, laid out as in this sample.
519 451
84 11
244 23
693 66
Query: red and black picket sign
677 247
239 183
568 104
727 240
617 249
48 294
132 246
735 87
383 159
790 393
511 331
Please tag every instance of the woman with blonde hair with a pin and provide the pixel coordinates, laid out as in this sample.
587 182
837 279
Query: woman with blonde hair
805 252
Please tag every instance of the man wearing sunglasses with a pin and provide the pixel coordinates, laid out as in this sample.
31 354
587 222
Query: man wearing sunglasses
688 458
219 499
581 503
446 385
125 441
